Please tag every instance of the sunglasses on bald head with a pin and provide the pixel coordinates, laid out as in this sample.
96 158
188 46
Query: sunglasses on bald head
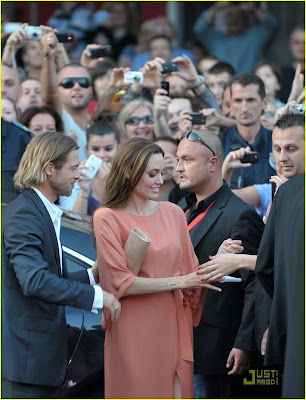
68 83
195 137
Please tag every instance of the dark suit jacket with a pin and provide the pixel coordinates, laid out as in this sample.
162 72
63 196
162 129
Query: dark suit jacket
34 293
228 317
280 268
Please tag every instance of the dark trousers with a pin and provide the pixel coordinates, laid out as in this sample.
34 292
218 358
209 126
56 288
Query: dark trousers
212 386
17 390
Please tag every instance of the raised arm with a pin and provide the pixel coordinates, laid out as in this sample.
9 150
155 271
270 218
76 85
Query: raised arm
49 85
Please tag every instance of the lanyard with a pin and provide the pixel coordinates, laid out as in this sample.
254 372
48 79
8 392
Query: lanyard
198 218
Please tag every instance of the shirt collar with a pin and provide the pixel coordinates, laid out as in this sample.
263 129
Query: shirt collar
203 204
52 209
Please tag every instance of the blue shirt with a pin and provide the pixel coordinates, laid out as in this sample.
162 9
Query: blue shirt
243 51
265 198
257 173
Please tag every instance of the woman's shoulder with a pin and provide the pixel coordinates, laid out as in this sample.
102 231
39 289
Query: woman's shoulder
104 213
169 207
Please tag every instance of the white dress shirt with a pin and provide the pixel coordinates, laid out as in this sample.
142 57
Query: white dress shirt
55 215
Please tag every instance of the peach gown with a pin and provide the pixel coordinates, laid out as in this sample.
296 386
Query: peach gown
153 339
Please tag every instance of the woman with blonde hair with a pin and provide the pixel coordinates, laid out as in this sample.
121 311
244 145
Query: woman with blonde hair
149 351
136 119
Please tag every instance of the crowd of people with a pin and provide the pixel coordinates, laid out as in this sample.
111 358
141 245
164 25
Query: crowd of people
204 153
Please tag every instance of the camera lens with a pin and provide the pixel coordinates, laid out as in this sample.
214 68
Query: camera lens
136 78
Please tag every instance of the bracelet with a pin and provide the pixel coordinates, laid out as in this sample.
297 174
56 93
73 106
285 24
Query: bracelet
172 284
202 80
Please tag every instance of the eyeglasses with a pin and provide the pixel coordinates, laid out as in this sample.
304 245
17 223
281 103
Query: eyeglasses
193 136
147 119
68 83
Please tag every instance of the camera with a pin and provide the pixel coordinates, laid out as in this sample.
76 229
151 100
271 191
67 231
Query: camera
252 157
102 51
169 67
133 77
33 32
11 27
197 118
166 86
297 109
92 166
64 37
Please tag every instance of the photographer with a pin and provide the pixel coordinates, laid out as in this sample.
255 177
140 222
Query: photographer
240 44
27 40
289 154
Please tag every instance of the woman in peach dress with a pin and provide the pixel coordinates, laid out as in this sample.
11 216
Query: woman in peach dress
149 351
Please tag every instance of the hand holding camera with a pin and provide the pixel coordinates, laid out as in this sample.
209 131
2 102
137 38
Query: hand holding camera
17 38
91 56
187 70
161 102
243 157
185 121
48 41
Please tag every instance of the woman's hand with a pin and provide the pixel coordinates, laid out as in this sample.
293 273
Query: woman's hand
84 183
219 266
194 280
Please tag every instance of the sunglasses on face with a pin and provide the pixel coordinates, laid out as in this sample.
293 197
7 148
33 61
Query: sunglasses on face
68 83
194 137
147 119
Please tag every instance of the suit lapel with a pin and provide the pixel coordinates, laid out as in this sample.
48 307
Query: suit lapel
42 209
203 226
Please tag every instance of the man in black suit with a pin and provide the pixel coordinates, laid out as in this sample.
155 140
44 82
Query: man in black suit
36 285
225 335
280 268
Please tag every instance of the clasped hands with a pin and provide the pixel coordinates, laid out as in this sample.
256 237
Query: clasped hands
223 263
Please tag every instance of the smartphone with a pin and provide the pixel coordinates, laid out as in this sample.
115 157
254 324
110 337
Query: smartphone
273 189
166 86
197 118
102 51
92 166
252 157
169 67
64 37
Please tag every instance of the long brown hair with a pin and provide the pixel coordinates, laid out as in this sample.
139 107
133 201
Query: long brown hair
127 169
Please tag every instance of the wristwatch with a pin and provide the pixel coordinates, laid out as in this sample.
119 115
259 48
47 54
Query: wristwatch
202 80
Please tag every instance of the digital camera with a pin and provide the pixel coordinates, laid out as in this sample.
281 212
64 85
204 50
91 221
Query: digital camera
197 118
102 51
297 109
133 77
169 67
33 32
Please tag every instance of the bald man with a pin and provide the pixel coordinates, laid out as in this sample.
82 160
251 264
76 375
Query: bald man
224 339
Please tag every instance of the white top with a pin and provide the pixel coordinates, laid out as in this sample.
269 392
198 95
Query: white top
69 123
55 215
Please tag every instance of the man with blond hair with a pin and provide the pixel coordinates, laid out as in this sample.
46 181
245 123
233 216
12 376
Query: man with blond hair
36 285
